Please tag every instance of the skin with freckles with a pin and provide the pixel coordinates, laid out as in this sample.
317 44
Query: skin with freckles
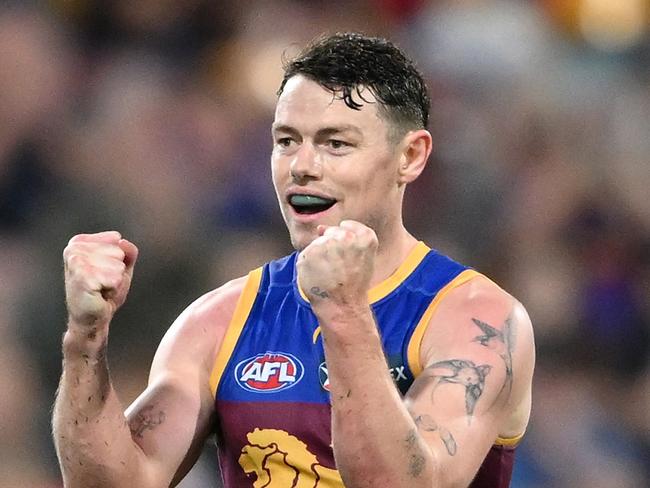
339 153
155 440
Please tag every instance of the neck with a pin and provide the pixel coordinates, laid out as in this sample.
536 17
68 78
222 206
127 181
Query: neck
393 249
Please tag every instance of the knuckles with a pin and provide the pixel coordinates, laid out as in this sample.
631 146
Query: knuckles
107 236
96 277
76 250
348 237
85 261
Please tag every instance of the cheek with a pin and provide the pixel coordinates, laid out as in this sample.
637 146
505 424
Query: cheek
378 183
274 166
277 172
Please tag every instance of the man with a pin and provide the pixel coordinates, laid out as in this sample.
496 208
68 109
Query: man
364 359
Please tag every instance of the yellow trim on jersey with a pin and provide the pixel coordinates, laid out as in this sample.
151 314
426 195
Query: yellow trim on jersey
235 327
413 350
316 334
384 288
509 441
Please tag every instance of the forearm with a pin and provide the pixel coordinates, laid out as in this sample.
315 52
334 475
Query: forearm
375 440
92 438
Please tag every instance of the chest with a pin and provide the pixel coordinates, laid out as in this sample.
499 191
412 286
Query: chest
280 357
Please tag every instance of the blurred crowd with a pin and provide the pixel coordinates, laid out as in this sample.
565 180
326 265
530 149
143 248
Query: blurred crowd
152 118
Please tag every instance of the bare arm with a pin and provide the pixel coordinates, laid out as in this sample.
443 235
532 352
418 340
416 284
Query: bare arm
91 435
159 437
476 386
440 433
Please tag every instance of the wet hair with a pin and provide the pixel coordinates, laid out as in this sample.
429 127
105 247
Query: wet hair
348 63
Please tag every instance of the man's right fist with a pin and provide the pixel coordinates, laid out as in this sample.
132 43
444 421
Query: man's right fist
98 272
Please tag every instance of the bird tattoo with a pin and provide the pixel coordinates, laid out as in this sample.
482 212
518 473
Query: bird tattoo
468 374
461 372
498 341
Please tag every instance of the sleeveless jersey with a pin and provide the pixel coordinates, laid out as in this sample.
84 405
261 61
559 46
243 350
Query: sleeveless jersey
270 378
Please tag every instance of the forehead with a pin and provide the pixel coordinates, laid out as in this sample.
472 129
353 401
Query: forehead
305 104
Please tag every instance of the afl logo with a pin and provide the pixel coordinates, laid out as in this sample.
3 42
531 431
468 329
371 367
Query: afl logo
269 372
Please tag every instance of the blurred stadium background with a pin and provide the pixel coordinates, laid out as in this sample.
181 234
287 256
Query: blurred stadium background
152 117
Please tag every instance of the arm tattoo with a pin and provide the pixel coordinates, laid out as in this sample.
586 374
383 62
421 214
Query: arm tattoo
426 423
502 342
318 292
461 372
146 420
417 460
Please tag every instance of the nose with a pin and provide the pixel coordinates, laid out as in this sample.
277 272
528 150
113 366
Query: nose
306 164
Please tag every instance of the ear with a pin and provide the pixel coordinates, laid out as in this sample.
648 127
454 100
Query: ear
415 150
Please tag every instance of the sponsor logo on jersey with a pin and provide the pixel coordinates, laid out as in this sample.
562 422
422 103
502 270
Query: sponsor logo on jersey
269 372
324 376
400 374
397 372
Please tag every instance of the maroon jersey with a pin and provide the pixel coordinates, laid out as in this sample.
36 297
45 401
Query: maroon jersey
496 470
270 378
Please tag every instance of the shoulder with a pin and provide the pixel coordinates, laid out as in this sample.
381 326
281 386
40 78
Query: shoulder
479 319
476 303
197 333
213 306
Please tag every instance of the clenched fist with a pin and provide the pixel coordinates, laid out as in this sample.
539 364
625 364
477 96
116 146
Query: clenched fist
338 265
98 272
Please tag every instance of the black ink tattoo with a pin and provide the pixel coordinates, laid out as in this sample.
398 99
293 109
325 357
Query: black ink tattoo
502 342
426 423
462 372
416 460
318 292
410 439
416 465
146 420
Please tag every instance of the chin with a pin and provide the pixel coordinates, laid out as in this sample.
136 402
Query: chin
301 242
301 239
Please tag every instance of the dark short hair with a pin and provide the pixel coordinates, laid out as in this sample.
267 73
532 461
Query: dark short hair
345 63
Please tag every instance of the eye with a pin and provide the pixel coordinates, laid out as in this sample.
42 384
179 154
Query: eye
337 144
284 141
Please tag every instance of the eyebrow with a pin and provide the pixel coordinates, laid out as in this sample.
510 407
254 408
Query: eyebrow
324 132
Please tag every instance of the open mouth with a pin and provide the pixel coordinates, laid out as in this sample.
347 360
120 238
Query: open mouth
310 204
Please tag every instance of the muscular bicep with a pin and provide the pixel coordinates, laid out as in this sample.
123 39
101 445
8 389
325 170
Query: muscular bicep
169 421
474 377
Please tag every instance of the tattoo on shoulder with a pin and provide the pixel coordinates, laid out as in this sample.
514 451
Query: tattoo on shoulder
147 419
426 423
461 372
500 341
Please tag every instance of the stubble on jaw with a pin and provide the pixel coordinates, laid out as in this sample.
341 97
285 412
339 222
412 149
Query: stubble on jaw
300 243
377 221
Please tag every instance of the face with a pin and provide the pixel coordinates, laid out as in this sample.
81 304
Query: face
332 163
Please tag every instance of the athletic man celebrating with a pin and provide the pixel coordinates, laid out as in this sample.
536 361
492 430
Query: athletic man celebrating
364 359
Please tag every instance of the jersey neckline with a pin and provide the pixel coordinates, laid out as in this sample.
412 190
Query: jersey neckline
386 287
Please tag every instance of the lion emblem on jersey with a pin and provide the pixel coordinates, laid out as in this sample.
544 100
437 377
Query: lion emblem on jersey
279 459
